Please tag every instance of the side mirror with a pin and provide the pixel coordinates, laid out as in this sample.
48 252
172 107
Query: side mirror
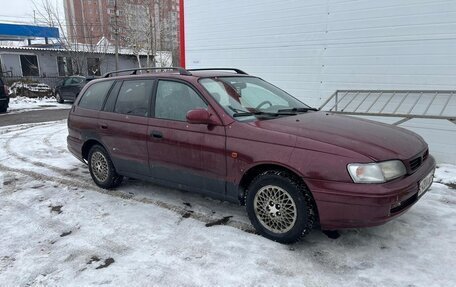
200 116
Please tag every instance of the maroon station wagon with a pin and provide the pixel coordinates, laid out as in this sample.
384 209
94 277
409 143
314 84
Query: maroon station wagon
238 138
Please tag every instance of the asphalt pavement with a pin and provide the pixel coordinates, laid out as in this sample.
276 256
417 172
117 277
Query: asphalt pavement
33 117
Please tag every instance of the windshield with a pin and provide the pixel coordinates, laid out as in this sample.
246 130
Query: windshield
248 96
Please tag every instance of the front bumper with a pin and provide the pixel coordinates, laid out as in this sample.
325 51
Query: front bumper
351 205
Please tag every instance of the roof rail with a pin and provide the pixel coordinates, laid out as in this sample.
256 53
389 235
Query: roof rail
238 71
181 71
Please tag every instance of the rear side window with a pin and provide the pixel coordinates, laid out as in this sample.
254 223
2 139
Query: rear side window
134 98
67 82
174 100
94 96
77 80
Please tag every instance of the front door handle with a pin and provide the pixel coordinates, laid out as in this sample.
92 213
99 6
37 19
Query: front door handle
157 134
103 126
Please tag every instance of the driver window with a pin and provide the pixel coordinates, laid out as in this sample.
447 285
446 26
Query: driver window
77 81
134 98
67 82
174 100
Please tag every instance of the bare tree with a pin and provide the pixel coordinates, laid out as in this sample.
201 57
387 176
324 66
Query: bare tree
138 27
49 14
146 28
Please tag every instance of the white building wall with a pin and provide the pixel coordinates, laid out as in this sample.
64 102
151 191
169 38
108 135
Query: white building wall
312 48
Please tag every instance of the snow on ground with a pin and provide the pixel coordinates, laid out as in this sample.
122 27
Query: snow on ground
57 228
446 174
23 104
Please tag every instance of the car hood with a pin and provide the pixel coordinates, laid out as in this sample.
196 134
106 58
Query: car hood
375 140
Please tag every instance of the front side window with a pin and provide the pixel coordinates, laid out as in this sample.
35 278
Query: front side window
249 95
94 96
77 80
174 100
67 81
134 98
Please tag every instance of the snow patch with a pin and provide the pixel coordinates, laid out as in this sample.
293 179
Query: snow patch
59 229
24 104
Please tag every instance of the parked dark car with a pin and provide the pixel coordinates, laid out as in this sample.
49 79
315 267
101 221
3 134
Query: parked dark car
70 87
238 138
4 98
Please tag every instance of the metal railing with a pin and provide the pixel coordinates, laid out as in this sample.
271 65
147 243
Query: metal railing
406 104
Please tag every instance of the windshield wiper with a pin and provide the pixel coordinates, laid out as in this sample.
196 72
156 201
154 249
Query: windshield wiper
244 113
259 113
297 110
247 113
235 110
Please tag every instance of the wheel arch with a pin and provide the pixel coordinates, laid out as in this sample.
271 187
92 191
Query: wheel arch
88 144
258 169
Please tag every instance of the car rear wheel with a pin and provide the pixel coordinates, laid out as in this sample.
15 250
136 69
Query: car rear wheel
102 169
280 207
59 98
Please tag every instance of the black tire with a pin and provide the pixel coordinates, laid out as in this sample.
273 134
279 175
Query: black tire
3 108
297 223
58 98
102 169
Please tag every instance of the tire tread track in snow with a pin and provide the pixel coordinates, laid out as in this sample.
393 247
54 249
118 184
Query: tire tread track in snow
48 142
70 181
177 209
205 218
10 151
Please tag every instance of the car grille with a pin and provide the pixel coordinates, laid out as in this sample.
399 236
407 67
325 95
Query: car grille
416 162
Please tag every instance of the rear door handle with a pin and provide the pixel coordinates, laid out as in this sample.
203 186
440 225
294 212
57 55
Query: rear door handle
156 134
103 126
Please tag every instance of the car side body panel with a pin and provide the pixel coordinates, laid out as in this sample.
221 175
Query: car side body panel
126 138
189 155
82 127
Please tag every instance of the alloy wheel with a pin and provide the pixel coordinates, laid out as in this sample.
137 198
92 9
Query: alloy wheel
275 209
99 166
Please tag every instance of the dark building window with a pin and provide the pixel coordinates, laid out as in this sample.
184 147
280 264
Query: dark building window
29 65
65 65
93 67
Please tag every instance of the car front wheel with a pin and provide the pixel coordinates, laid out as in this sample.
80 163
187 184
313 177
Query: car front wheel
280 207
102 169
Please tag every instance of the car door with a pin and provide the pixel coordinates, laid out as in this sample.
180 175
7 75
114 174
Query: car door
123 126
189 156
64 89
75 87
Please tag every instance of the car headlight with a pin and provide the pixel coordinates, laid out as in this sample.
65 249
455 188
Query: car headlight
376 172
